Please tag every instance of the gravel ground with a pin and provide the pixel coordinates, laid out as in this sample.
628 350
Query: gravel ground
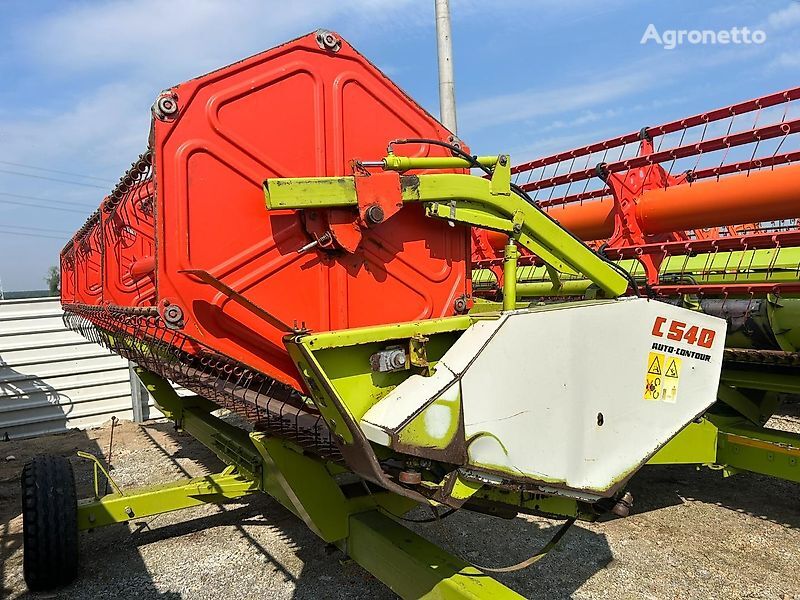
693 534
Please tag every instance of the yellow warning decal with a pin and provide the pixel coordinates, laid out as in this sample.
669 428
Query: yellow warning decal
673 368
672 375
661 380
652 384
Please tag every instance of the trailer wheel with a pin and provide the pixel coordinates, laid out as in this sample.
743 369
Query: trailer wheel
49 523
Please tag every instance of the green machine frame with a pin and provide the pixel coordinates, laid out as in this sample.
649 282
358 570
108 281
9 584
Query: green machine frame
363 522
356 519
341 509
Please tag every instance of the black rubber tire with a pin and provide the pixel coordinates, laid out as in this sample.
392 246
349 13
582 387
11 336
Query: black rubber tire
49 523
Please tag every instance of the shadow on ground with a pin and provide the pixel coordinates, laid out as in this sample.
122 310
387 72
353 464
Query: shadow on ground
66 444
661 486
122 562
258 549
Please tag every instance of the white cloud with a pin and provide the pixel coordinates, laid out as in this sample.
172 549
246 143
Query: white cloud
103 128
176 38
789 60
136 48
92 70
529 104
785 17
632 80
588 116
98 66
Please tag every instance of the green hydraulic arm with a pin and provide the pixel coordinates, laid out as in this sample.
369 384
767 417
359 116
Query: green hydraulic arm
486 203
736 267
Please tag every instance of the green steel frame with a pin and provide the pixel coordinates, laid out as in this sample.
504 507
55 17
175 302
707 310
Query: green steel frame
312 489
738 442
732 437
486 203
361 525
733 444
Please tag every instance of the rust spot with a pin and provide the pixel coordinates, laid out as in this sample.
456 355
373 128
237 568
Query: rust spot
410 183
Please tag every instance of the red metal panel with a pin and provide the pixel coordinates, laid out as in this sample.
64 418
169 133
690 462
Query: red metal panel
296 110
88 263
128 229
68 274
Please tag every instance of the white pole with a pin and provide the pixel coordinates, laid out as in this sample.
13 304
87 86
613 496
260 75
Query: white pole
447 87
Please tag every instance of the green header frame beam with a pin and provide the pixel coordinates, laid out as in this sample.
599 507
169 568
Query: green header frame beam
361 525
486 203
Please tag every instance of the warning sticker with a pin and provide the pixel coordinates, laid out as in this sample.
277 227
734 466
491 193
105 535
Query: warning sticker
652 385
655 364
672 368
672 375
663 375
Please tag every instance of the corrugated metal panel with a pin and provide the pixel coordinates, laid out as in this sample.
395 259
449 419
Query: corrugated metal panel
52 379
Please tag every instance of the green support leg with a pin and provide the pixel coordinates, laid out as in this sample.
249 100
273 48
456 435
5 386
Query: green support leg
747 447
309 488
734 444
413 567
510 256
695 444
146 502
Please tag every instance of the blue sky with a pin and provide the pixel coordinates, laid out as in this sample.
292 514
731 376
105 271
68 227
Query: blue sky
532 78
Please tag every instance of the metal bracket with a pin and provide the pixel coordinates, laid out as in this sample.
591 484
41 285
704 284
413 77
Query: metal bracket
517 221
254 308
418 353
465 198
98 466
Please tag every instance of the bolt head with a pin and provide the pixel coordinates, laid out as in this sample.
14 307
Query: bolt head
173 315
410 477
327 40
166 106
397 359
375 214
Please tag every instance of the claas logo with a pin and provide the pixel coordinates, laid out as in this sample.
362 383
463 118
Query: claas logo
679 331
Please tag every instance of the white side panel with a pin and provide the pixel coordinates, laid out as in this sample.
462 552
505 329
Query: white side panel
568 395
52 379
415 392
565 391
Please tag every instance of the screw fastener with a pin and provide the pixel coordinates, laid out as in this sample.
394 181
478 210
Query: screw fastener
410 477
327 40
166 107
375 214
